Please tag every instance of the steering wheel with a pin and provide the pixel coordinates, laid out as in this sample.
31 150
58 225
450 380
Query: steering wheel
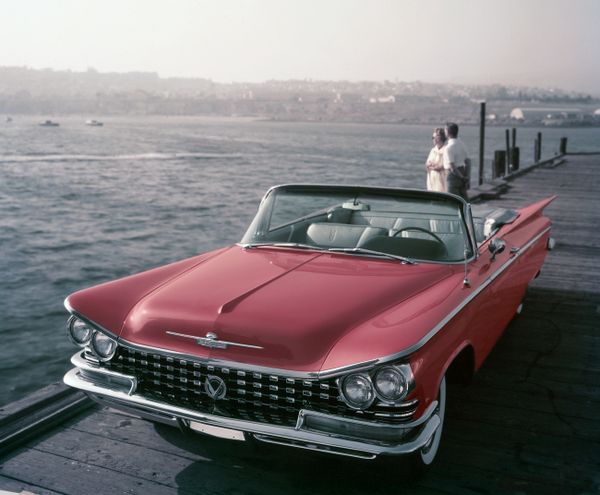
425 231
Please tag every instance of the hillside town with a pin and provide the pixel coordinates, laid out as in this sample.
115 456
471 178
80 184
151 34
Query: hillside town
50 92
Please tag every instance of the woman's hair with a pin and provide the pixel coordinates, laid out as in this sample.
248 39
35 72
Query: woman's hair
439 131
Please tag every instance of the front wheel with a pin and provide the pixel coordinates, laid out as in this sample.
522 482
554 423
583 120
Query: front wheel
423 457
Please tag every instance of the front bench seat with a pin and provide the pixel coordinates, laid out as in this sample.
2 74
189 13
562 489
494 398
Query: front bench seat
342 235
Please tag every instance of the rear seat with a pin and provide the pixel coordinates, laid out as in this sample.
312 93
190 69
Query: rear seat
343 235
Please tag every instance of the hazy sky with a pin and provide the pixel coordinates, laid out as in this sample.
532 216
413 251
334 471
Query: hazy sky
549 43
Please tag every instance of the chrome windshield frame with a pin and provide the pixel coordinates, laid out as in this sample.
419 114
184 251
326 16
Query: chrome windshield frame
463 207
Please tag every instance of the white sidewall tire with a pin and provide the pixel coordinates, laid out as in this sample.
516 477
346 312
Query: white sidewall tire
427 454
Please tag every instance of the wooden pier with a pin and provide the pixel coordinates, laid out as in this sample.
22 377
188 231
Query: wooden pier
528 424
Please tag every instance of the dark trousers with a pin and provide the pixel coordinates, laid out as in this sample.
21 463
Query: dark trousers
457 186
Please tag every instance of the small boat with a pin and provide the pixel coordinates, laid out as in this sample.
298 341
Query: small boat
49 123
8 119
94 123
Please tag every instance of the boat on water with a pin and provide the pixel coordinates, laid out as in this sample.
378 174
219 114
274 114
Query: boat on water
49 123
8 119
94 123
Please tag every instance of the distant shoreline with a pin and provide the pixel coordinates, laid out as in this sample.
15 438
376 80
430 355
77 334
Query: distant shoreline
37 117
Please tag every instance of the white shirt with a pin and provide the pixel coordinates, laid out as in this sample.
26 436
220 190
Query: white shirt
455 152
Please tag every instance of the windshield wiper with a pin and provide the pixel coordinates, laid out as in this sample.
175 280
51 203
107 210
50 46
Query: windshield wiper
250 245
361 250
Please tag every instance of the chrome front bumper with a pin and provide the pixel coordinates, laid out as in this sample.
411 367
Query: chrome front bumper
313 430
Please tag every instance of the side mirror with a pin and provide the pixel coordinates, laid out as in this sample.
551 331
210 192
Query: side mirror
496 247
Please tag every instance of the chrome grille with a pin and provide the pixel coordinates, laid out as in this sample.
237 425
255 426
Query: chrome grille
252 396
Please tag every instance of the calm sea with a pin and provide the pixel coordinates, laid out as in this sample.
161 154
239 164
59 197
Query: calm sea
82 205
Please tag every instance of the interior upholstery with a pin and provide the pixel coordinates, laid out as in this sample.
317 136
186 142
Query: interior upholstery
408 247
341 235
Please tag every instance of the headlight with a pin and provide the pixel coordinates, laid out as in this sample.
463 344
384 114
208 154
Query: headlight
357 391
80 332
390 384
103 346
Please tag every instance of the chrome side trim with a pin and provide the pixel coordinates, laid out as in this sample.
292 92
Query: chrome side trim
458 309
150 408
332 372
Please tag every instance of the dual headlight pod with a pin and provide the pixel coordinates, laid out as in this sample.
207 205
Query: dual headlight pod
389 384
85 335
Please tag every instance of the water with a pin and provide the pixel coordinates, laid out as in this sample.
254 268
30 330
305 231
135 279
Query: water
82 205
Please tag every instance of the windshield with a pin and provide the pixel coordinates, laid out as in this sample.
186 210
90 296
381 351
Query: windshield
406 224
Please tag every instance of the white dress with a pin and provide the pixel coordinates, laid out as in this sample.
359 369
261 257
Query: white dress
436 180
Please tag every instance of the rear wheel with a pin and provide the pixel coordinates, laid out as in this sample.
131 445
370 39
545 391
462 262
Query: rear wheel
424 457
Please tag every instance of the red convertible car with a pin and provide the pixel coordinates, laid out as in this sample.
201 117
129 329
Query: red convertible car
332 326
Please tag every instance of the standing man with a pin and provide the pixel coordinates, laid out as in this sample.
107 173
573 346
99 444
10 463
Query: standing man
456 162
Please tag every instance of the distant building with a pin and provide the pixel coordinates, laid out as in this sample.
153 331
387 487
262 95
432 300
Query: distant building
549 116
383 99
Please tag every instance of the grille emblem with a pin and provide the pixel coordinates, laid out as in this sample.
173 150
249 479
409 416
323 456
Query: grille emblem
211 341
215 387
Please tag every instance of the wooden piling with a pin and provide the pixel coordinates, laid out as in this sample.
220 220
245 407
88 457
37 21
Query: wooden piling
563 146
515 158
499 164
508 153
537 390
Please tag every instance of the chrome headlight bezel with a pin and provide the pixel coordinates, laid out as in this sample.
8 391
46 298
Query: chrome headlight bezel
71 327
90 342
392 371
403 371
96 349
363 378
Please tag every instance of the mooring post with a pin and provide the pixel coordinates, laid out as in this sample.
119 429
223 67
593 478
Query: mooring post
499 164
481 139
563 146
514 152
539 145
508 153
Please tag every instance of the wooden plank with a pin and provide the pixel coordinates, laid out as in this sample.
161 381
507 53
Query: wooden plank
527 424
69 476
18 487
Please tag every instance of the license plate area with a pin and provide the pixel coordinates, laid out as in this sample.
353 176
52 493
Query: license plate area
217 431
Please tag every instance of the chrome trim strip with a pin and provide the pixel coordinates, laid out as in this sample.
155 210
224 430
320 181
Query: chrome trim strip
213 343
332 372
406 404
76 314
304 413
314 447
300 375
83 364
73 379
458 309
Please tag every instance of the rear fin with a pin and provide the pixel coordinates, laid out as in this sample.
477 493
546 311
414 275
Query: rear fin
536 208
529 212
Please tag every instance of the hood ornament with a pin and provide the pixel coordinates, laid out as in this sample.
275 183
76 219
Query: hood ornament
211 341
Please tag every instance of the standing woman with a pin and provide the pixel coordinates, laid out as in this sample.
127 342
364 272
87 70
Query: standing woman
436 175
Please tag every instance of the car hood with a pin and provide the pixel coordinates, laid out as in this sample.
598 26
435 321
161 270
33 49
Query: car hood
291 306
